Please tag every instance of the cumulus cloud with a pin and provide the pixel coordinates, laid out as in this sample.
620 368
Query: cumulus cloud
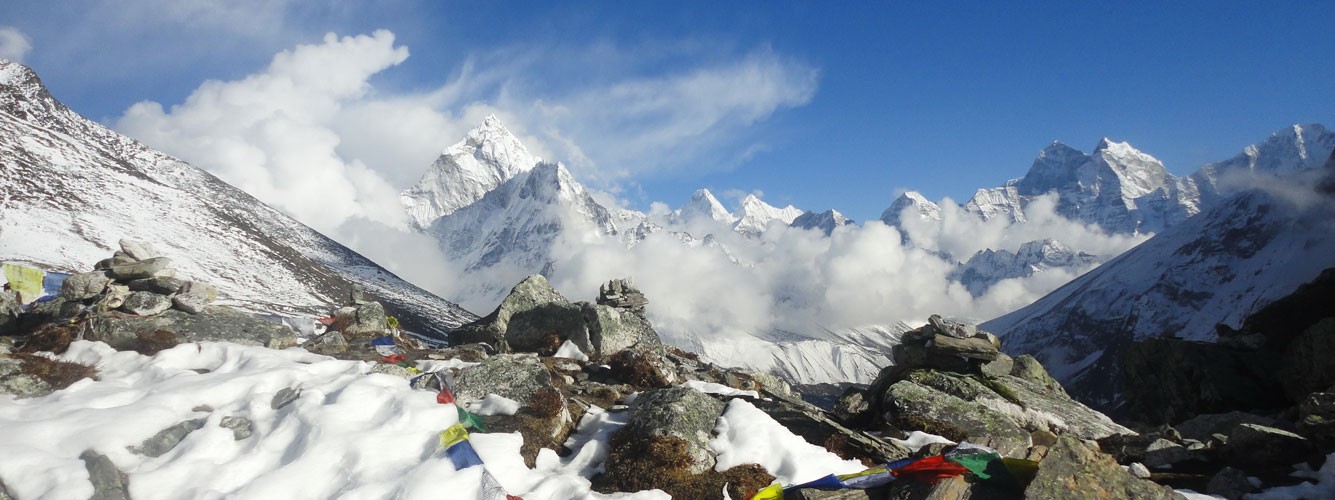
13 44
311 135
961 233
268 135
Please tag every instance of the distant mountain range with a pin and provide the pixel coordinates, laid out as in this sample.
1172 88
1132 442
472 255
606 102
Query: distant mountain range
501 210
73 188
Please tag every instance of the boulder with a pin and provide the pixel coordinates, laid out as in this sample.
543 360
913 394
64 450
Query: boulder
328 344
532 292
853 407
158 266
1073 470
950 328
241 427
9 310
678 412
392 369
1229 483
1031 405
109 483
114 297
1256 447
513 376
816 427
83 286
1307 367
222 324
910 406
168 438
1028 368
137 250
1164 453
365 320
612 330
284 397
204 291
643 368
1204 427
1316 419
162 285
535 318
146 303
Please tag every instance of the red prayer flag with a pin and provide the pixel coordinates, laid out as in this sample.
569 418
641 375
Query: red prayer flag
930 470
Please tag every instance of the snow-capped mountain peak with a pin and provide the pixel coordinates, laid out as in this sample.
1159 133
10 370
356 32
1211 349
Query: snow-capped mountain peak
825 221
488 156
922 207
754 215
703 204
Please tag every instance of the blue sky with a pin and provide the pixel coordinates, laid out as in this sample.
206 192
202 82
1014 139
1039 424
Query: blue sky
836 105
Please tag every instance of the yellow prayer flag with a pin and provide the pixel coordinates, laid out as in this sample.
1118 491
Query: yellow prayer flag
452 435
771 492
25 280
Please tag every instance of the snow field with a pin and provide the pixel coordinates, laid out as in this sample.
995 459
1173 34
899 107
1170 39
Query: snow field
349 434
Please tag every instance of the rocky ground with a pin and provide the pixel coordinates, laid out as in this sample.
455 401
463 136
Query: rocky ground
560 360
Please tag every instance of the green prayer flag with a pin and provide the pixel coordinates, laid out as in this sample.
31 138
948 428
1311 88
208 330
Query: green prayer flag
470 420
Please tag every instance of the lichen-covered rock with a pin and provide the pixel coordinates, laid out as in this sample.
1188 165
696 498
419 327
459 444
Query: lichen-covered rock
147 268
114 297
533 292
363 320
678 412
1028 368
908 405
328 344
392 369
612 330
109 483
222 324
9 310
1072 470
146 303
168 438
83 286
513 376
241 427
162 285
643 368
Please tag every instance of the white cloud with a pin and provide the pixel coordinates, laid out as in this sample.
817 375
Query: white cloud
13 44
269 133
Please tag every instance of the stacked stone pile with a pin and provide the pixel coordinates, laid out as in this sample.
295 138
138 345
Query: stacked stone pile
136 281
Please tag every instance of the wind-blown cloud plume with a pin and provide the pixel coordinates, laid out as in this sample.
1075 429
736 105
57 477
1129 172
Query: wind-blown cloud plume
13 45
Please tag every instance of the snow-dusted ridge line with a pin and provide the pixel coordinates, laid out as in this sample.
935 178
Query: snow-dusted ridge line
74 188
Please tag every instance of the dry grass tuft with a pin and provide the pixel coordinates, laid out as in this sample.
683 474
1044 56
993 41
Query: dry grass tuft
150 343
56 373
662 462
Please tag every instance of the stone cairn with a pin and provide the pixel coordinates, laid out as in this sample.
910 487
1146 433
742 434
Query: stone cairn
137 281
621 294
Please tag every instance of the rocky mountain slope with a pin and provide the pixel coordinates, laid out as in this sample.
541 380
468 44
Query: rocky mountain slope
1218 267
73 188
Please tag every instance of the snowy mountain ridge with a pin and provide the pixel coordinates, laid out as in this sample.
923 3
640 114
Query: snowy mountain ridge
488 156
1246 251
73 188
